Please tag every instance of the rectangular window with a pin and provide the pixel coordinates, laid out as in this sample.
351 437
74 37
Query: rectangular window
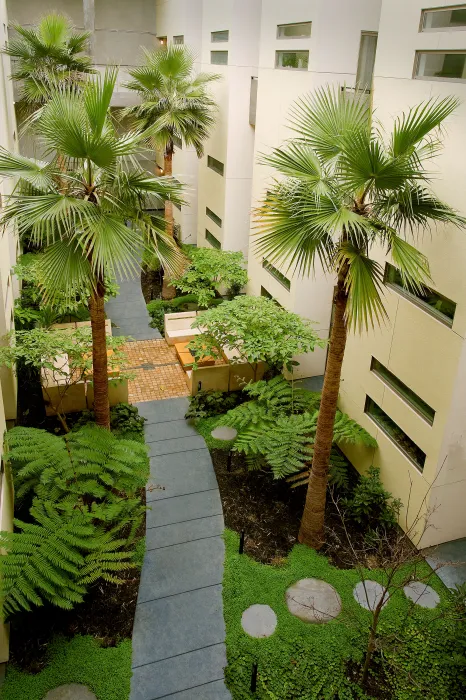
215 165
223 35
436 304
294 60
415 455
412 399
216 219
177 141
298 30
284 281
179 39
214 242
366 61
253 101
440 65
219 58
162 41
445 18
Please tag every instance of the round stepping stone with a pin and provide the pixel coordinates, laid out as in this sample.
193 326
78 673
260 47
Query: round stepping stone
223 432
369 594
259 621
70 691
422 594
313 600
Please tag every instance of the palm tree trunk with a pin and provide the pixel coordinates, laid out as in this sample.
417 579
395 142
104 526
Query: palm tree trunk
168 291
99 357
312 524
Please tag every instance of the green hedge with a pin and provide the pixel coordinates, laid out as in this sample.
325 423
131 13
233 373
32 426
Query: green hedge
157 308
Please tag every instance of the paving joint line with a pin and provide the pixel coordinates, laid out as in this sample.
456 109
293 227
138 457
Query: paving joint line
180 495
173 595
192 687
175 656
165 546
189 520
178 452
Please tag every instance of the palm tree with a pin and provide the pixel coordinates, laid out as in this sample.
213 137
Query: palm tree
78 205
347 190
175 108
45 55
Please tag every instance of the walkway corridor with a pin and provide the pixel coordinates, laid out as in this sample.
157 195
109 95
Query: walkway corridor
179 633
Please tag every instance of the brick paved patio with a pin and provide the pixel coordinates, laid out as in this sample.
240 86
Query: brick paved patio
158 374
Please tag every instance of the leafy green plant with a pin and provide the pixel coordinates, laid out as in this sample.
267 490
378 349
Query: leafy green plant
254 329
277 428
209 270
371 504
85 512
212 403
157 308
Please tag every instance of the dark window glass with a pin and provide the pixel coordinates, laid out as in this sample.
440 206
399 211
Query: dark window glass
398 436
216 219
441 65
431 301
215 164
277 274
402 390
214 242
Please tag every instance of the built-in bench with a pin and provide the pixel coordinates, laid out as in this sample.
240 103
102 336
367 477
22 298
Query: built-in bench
178 327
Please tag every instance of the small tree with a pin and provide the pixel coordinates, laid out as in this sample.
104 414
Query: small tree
211 269
63 358
254 329
45 55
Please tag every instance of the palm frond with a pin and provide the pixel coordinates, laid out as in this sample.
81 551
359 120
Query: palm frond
364 285
419 122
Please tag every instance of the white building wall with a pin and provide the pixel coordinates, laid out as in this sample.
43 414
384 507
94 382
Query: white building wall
333 57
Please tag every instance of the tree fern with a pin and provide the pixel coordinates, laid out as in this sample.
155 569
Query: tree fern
85 513
277 429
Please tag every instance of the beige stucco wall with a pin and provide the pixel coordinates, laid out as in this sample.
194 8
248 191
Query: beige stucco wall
426 355
333 46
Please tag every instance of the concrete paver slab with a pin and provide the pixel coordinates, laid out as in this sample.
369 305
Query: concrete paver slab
162 411
210 691
181 567
70 691
169 430
422 594
182 508
369 594
182 444
259 621
179 474
313 600
178 533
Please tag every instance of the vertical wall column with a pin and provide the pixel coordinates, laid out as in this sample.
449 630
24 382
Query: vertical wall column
89 22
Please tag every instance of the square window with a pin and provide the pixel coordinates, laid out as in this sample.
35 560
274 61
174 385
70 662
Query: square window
219 58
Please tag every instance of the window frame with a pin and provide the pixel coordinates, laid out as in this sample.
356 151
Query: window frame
365 32
276 274
209 236
417 465
420 303
417 58
294 24
217 52
209 165
407 395
213 217
178 36
426 10
282 51
220 41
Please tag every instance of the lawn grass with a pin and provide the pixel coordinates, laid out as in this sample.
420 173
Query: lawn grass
105 671
301 661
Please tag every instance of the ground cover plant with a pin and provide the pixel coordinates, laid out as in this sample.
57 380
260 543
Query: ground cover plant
302 661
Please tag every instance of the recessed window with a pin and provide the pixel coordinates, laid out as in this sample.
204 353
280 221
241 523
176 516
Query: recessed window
416 403
440 65
409 448
449 18
215 165
216 219
179 39
366 61
214 242
253 100
219 58
265 293
223 35
177 141
436 304
279 276
298 30
162 41
294 60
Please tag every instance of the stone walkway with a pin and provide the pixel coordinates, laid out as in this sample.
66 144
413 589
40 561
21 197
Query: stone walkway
179 632
129 314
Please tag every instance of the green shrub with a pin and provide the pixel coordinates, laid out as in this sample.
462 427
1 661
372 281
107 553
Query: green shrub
125 421
157 308
370 504
212 403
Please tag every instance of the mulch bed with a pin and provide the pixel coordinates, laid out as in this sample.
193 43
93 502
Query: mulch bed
269 512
